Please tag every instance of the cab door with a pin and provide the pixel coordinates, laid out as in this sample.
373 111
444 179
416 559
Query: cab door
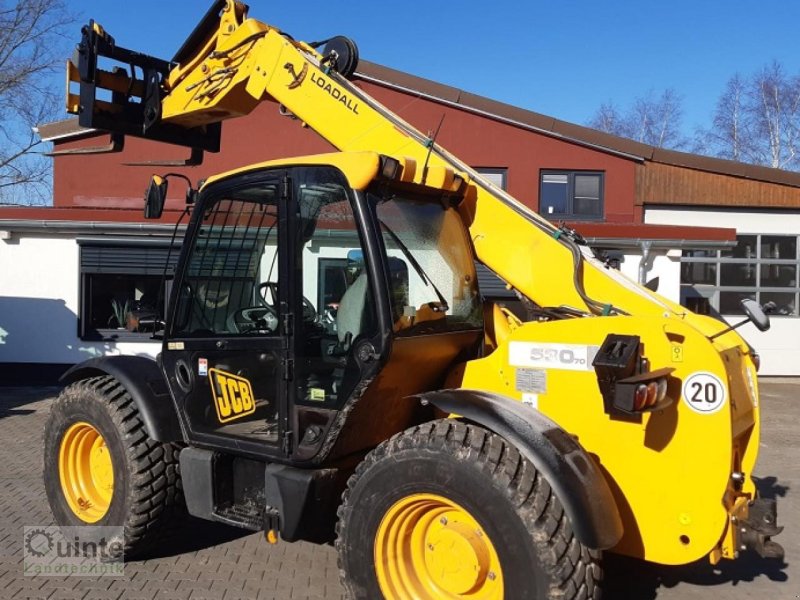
228 348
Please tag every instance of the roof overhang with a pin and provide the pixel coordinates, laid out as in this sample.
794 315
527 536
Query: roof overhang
662 237
63 130
83 227
78 220
658 244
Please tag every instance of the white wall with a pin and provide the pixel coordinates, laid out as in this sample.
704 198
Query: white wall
780 346
311 255
772 221
39 299
662 264
39 278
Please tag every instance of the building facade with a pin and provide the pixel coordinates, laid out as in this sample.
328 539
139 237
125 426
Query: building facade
72 272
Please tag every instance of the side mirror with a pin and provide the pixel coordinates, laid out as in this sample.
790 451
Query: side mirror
755 312
155 197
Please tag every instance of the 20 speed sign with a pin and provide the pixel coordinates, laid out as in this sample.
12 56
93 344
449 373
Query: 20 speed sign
704 392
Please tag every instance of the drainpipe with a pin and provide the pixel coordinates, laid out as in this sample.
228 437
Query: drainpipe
646 244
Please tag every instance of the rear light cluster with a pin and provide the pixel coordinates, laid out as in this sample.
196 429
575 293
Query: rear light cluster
647 395
628 385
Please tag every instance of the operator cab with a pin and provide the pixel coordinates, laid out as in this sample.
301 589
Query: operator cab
311 286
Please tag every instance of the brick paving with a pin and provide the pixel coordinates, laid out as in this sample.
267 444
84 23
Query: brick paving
209 561
206 561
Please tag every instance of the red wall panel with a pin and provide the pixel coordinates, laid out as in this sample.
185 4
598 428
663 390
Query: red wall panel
102 181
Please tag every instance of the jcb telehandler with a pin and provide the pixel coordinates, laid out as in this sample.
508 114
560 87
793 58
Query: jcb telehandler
329 369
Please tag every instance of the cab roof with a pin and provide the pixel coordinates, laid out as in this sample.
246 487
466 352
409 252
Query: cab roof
362 168
359 168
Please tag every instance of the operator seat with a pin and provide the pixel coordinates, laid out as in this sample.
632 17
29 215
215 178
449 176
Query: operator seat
352 312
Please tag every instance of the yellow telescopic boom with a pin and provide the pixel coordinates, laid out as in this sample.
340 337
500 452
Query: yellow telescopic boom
232 63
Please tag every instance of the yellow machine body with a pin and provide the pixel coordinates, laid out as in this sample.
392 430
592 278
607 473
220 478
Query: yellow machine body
670 470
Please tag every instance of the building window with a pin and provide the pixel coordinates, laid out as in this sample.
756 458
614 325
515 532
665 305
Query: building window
333 281
761 267
123 288
571 195
497 175
490 285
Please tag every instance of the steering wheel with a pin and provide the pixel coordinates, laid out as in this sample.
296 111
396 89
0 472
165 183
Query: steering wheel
271 288
256 319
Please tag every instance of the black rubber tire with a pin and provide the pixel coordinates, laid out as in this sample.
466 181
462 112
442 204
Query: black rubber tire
147 492
539 555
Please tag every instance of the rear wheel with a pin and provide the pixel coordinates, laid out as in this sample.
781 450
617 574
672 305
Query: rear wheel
101 468
448 510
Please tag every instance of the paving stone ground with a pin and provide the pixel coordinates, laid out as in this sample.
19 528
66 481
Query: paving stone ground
207 561
211 561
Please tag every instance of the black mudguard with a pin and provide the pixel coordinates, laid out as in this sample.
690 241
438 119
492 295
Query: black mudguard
574 476
142 379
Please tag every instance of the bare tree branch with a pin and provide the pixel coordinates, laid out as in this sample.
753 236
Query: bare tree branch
651 119
757 119
32 46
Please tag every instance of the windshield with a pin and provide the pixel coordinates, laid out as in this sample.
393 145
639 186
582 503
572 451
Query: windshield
433 286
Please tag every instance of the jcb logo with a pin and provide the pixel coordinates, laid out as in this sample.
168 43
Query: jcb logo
297 78
233 395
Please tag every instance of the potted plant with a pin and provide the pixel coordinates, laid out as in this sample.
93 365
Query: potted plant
120 312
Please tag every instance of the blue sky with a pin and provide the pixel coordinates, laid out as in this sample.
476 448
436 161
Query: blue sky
559 58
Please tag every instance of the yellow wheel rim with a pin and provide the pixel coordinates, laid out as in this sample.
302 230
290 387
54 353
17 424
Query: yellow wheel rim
86 472
427 546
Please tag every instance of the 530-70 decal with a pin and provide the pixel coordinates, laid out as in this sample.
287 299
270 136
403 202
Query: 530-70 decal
233 395
570 357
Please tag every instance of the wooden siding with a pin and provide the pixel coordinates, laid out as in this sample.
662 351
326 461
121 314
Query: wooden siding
667 184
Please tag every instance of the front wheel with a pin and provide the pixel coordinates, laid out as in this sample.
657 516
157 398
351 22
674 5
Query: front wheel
448 510
101 468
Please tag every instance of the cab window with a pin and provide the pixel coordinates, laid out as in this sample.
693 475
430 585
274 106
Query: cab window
430 266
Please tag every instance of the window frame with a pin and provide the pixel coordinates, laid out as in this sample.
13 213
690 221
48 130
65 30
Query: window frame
208 202
489 284
377 199
501 171
712 291
85 331
323 264
570 215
